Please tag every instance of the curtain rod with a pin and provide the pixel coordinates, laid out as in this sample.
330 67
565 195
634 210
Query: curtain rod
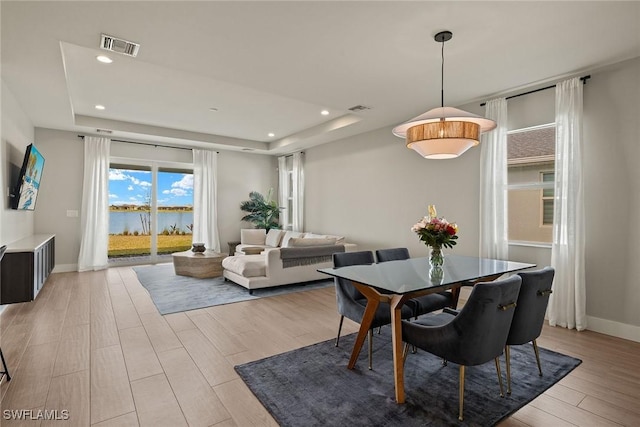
148 143
583 78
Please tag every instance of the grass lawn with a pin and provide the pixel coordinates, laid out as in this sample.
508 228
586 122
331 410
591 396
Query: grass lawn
120 245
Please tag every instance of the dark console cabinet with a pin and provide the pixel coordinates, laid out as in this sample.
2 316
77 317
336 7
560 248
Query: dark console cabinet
25 267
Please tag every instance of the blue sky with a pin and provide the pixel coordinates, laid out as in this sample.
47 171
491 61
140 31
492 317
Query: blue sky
133 187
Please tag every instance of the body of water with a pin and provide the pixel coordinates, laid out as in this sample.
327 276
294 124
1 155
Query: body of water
131 221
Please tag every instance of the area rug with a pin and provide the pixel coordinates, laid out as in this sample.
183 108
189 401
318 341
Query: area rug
312 386
172 293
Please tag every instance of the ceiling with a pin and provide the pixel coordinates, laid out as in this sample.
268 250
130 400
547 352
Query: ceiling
272 67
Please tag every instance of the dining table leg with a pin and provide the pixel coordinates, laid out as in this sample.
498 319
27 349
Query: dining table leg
373 301
396 339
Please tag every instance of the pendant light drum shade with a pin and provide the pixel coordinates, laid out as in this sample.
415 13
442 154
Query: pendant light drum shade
443 132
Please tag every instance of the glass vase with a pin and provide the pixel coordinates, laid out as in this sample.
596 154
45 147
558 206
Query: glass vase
436 259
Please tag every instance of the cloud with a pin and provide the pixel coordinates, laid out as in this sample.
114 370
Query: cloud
135 199
178 192
136 181
113 196
130 188
117 175
186 183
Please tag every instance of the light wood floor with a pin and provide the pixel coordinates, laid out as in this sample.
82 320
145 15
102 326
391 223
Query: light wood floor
95 345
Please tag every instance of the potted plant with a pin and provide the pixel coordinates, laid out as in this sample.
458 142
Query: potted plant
263 212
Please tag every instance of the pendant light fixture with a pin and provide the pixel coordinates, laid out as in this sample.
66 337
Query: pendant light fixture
443 132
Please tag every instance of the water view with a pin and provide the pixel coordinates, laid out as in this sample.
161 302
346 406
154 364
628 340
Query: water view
137 221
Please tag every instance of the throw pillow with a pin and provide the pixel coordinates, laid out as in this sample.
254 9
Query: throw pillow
274 236
315 236
296 242
253 236
288 235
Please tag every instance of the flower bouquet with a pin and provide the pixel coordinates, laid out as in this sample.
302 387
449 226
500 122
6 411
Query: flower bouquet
436 233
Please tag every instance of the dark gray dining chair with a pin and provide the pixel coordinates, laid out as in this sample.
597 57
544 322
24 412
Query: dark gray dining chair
423 304
351 303
529 315
475 335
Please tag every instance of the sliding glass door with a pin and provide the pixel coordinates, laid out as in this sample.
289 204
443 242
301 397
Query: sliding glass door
150 210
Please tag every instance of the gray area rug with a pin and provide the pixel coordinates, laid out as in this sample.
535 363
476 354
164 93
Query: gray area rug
172 294
312 386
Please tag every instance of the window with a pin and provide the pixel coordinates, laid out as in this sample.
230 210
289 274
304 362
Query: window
150 210
531 173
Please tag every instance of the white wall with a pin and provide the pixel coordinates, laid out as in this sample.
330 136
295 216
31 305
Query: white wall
371 189
612 196
238 174
16 133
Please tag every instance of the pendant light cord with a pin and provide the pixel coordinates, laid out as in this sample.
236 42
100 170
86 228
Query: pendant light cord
442 78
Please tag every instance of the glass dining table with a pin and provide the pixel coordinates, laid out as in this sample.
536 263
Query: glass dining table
395 282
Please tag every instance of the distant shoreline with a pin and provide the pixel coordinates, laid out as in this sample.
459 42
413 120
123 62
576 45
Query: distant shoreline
160 209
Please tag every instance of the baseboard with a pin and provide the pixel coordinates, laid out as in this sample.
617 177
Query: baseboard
65 268
613 328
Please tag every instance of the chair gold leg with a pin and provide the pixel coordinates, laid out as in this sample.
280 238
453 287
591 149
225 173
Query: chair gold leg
535 349
370 335
339 330
497 359
461 394
507 357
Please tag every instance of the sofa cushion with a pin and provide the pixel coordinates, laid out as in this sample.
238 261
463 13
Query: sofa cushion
288 235
253 236
297 242
274 237
246 266
339 239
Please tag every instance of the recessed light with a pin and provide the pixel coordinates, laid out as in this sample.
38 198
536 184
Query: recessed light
214 109
271 134
104 59
324 112
99 107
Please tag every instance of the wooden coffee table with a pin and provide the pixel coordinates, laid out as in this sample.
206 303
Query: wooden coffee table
200 265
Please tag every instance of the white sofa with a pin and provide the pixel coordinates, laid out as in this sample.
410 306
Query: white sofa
269 269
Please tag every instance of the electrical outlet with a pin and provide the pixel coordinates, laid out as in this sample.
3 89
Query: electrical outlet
72 213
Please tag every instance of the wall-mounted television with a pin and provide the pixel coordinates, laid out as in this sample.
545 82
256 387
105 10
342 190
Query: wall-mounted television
26 190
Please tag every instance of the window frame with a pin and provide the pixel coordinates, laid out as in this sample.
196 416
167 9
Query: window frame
154 166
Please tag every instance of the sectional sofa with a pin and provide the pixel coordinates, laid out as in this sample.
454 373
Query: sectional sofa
285 257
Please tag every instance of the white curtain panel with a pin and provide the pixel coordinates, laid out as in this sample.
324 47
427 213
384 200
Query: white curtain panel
94 245
493 184
298 192
567 305
283 191
205 199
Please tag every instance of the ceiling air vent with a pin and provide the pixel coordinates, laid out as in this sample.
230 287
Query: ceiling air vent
358 108
117 45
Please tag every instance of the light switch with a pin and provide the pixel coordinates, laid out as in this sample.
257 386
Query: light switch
72 213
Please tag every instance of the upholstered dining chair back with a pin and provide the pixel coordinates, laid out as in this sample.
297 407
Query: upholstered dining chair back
478 333
532 306
352 304
394 254
529 316
345 259
475 335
